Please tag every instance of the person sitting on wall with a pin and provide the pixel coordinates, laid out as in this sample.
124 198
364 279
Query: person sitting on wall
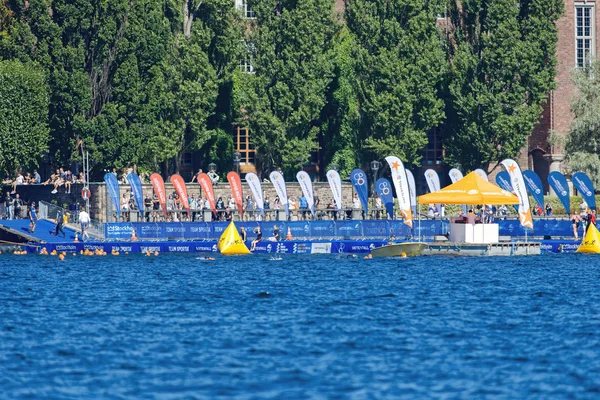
214 178
275 237
258 238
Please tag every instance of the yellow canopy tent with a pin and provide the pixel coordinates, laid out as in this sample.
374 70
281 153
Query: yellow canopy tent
472 189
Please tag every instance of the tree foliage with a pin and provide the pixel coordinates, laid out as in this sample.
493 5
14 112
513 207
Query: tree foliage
24 132
290 47
502 61
137 81
399 71
582 145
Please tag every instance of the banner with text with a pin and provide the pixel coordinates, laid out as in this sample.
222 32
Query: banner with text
384 190
206 185
279 183
306 186
401 186
112 185
558 183
584 186
534 186
358 177
136 189
335 183
518 184
159 189
256 189
179 185
236 190
412 189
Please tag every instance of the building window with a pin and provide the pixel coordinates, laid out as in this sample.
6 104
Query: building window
242 5
584 34
246 63
433 152
242 144
187 159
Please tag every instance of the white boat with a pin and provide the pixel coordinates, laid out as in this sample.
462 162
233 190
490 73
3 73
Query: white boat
400 249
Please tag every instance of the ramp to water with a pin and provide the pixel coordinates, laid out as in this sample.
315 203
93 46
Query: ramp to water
19 228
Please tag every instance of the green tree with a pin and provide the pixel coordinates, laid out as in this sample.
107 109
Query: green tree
399 71
502 60
24 132
282 102
582 144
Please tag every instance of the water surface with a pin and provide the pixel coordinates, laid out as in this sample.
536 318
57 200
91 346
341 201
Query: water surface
174 326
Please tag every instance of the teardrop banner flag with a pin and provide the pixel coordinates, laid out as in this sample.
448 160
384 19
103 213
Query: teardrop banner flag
558 183
279 182
518 185
384 190
236 190
306 186
482 174
412 189
206 185
256 188
159 189
584 186
401 186
433 180
335 183
503 180
113 189
179 185
136 189
455 175
361 185
533 183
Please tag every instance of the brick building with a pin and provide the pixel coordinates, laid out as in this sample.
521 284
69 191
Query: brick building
577 35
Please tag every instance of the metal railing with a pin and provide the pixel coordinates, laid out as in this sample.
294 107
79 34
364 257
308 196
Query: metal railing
49 211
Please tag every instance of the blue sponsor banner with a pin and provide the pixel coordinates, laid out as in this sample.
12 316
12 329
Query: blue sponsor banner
320 229
198 230
558 183
375 228
584 186
359 180
112 185
174 230
534 187
348 228
118 230
148 230
399 229
384 191
136 189
503 180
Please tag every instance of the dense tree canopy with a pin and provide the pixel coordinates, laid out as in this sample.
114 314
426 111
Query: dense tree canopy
501 56
399 70
147 81
23 114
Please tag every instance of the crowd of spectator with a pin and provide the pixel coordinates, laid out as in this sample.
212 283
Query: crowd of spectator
61 178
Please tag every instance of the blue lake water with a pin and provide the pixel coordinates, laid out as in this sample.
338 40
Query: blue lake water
305 327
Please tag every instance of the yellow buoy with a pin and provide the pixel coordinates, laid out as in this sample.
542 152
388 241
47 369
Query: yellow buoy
230 242
591 241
